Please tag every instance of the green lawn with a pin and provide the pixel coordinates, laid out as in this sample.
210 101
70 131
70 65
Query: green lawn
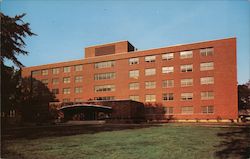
167 141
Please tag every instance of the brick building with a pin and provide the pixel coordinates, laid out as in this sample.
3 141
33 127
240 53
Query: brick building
189 81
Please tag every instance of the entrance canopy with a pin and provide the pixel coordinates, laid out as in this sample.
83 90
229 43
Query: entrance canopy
87 107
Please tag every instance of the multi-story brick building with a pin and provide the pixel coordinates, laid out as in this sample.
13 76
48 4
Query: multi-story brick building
191 81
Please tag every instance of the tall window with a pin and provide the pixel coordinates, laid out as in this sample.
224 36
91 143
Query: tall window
45 81
45 72
169 69
66 69
55 91
187 68
55 81
135 98
134 73
187 110
106 64
168 96
150 98
66 90
209 109
55 71
206 66
150 71
78 67
186 96
134 86
105 88
167 56
168 110
66 80
207 80
167 83
103 76
186 54
133 61
150 59
186 82
34 73
78 79
78 89
207 52
207 95
150 85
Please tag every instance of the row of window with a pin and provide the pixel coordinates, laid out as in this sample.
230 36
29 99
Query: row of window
170 96
55 81
56 71
170 69
170 83
208 109
67 90
170 56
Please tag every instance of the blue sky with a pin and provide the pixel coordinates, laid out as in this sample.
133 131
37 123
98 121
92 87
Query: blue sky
65 28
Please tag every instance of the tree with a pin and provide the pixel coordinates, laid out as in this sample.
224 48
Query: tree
13 32
244 96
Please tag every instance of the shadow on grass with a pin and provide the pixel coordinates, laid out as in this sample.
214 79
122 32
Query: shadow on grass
57 131
235 143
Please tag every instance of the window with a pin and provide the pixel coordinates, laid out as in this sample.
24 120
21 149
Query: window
187 68
207 109
207 80
186 54
150 98
78 89
150 59
66 80
206 66
55 71
78 79
55 81
168 110
167 83
134 73
167 69
66 90
135 98
45 81
34 73
66 69
150 71
133 86
45 72
55 91
106 64
66 100
167 56
207 95
168 96
207 52
186 96
104 98
133 61
78 100
78 68
105 88
187 110
186 82
103 76
150 85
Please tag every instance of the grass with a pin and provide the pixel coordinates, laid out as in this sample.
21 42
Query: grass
167 141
